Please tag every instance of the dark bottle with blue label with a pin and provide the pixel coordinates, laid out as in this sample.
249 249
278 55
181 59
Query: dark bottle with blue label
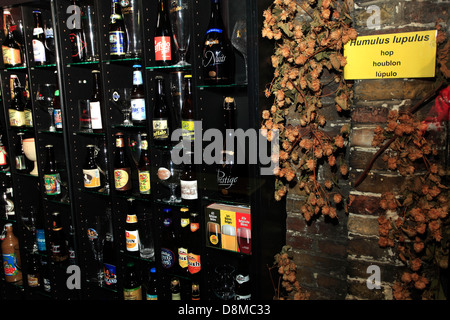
218 57
168 245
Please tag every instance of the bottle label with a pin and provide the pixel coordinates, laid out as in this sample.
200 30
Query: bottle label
212 59
40 235
188 127
96 115
77 45
11 56
183 257
194 226
57 118
138 110
52 184
122 179
240 278
132 294
152 296
38 50
243 297
9 207
109 272
162 49
194 264
184 222
10 264
28 118
189 189
16 118
132 240
20 162
116 43
91 178
33 281
167 258
3 159
144 182
137 78
160 129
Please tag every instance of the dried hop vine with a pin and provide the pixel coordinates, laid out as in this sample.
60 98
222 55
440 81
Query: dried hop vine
308 61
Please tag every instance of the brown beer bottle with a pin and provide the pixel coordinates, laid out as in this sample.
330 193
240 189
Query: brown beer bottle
11 256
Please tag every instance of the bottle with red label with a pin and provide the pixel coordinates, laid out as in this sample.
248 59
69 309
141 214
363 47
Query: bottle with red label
11 255
164 55
11 49
194 247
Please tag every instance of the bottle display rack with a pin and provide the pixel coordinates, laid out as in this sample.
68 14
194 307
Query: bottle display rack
85 212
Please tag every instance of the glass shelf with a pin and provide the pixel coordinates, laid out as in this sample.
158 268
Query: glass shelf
231 85
84 63
16 68
123 127
88 133
52 65
50 132
124 60
153 68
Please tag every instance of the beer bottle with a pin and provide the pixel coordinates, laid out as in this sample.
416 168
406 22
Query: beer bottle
28 106
183 239
52 178
242 280
49 43
194 247
161 115
71 246
218 57
151 288
91 172
76 36
109 262
17 109
95 103
38 42
175 288
45 274
58 245
188 184
57 116
7 203
231 181
34 279
132 288
131 229
21 163
195 291
4 161
168 243
187 111
118 40
138 110
11 255
144 167
11 49
122 169
163 37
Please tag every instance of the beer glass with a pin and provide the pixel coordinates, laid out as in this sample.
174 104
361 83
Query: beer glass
85 116
96 236
146 244
169 176
239 41
223 286
214 234
121 99
244 240
229 237
180 18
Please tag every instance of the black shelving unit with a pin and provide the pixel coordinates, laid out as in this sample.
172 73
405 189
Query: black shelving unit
75 82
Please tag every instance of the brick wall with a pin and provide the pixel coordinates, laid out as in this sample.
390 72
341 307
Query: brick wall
333 256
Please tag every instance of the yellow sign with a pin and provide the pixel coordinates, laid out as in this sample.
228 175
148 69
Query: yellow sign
397 55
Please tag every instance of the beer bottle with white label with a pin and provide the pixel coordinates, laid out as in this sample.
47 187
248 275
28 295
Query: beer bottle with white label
218 57
16 110
52 178
118 40
188 184
91 172
95 103
242 280
161 115
122 168
38 42
131 229
138 110
163 36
